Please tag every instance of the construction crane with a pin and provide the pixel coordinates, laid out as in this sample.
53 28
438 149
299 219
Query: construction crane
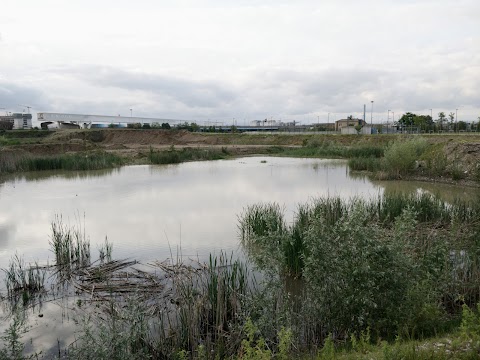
26 106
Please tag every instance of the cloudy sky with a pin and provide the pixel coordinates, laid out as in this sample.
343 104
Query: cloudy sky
244 59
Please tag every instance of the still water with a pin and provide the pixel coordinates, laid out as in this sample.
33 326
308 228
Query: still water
149 212
154 212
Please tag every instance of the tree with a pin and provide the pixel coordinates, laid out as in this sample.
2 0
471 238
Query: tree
194 127
461 126
166 126
441 119
6 125
358 128
452 118
407 119
190 127
423 122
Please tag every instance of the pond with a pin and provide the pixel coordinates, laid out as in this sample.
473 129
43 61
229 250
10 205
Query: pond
153 212
157 212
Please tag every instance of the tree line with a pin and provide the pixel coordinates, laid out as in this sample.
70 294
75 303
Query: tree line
442 123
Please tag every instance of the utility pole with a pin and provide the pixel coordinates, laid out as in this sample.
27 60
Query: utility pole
371 115
456 126
388 118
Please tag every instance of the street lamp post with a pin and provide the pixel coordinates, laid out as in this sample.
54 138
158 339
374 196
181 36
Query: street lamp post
388 118
371 115
328 120
456 125
131 112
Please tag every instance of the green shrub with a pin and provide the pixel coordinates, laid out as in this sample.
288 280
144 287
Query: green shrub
356 277
400 156
470 326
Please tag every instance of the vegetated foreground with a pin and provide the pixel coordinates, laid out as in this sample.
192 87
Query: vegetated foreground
347 279
451 158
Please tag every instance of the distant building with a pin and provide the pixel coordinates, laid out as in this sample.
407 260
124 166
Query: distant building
345 123
18 120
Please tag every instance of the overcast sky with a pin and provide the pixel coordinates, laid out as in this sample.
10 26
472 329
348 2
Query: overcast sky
244 59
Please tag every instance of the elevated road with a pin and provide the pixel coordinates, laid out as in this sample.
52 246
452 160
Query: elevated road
85 121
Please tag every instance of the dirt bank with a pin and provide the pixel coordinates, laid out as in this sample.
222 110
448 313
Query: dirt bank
460 151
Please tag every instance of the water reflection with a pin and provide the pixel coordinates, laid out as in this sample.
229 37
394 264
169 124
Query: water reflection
446 192
42 175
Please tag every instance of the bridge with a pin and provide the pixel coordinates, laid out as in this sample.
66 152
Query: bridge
75 121
64 120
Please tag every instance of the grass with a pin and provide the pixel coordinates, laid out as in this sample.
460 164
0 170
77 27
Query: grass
364 164
173 156
6 141
78 161
327 149
23 134
13 162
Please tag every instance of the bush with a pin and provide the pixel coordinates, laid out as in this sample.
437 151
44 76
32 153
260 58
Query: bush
356 277
400 156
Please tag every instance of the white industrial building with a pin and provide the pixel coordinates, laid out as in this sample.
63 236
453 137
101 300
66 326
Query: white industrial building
18 120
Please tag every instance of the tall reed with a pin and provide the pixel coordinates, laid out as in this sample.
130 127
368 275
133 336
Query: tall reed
69 244
173 156
201 310
78 161
11 162
22 280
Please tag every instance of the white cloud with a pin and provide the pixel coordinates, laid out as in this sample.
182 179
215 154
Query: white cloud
243 59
